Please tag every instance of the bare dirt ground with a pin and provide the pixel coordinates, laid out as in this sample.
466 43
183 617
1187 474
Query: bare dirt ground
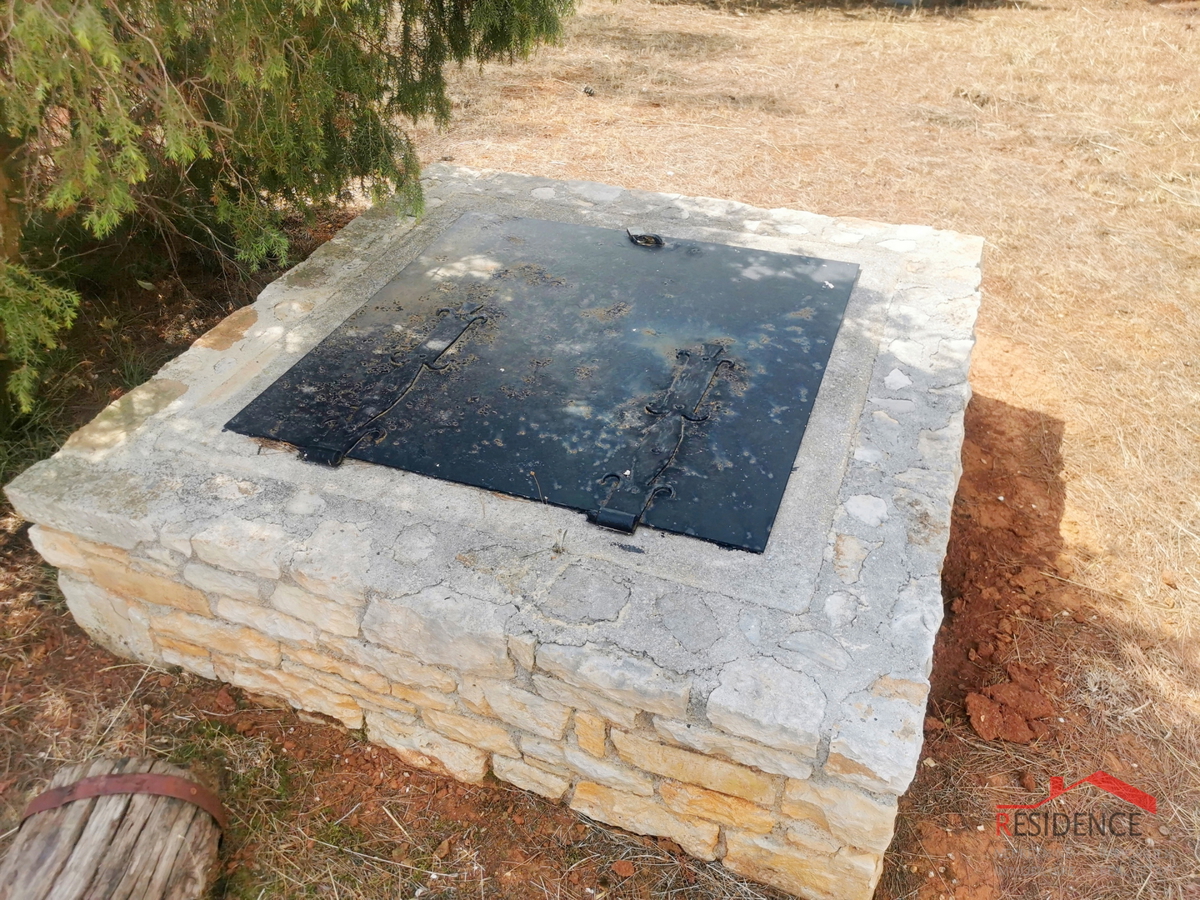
1068 135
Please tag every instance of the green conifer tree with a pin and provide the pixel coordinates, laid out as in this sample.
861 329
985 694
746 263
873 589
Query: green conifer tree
211 120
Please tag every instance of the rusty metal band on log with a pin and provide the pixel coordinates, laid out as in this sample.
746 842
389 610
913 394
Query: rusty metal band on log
141 783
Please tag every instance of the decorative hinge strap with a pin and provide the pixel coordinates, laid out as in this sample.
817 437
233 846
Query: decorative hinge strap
340 437
635 488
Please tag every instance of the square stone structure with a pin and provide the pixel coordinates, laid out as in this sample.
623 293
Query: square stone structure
761 710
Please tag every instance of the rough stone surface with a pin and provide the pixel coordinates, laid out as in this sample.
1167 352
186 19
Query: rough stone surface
761 700
296 690
474 732
215 581
427 749
241 545
527 710
268 621
634 813
604 771
110 620
591 733
810 660
691 800
877 743
328 615
715 743
851 816
802 872
442 628
120 579
530 778
623 679
683 765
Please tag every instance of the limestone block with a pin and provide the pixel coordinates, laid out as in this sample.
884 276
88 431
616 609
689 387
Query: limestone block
188 657
333 562
368 678
877 743
711 742
58 548
683 765
530 778
215 581
527 710
850 815
805 874
121 418
425 749
110 620
426 698
690 800
133 585
552 689
522 648
443 628
218 637
627 680
476 732
329 615
393 666
299 692
270 622
604 771
644 816
340 686
591 733
766 702
470 692
242 546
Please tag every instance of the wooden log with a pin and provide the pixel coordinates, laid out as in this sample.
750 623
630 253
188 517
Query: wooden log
121 846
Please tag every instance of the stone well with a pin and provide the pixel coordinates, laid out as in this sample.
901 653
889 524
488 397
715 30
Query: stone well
764 710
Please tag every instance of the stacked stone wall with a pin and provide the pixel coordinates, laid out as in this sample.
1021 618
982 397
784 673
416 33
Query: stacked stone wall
612 736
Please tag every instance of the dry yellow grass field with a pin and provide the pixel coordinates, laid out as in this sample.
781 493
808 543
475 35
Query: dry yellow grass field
1068 135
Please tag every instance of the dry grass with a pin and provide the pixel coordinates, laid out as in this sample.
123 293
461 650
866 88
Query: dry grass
1068 135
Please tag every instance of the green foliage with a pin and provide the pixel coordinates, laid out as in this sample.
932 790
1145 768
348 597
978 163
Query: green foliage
32 312
211 120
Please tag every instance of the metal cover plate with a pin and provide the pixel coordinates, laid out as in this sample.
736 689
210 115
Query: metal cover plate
563 363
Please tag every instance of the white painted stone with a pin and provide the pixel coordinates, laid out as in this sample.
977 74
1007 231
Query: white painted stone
542 193
761 700
897 246
242 546
625 679
896 380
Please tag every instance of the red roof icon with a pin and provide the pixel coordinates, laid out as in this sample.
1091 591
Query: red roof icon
1102 780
